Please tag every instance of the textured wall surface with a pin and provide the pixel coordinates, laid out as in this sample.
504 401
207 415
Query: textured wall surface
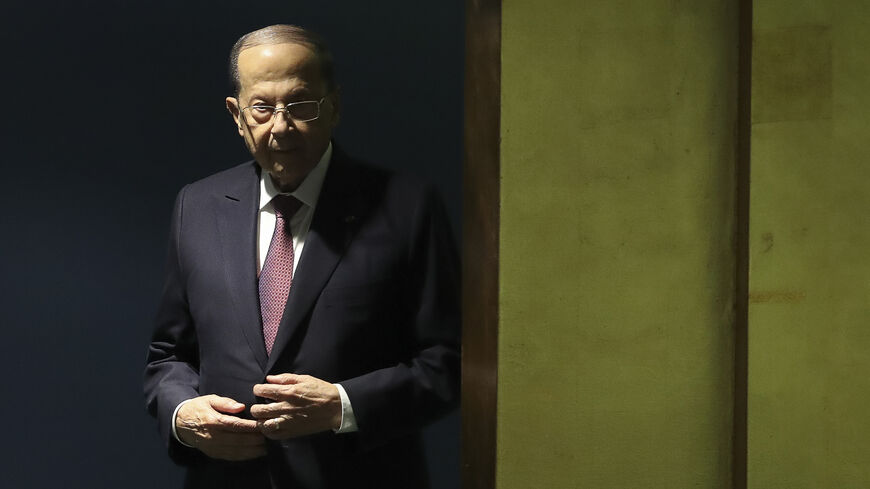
617 248
809 341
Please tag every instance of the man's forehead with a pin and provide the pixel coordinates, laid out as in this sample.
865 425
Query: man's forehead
271 62
270 49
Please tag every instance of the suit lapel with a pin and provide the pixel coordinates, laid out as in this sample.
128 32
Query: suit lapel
330 232
237 211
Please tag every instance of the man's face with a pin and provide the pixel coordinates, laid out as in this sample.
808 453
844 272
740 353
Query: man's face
276 75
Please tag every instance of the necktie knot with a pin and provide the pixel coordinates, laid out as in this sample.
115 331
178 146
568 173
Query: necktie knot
286 206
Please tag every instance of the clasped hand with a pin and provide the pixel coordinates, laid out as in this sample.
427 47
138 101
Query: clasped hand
302 405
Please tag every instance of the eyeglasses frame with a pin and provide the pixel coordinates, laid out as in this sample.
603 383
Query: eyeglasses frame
276 109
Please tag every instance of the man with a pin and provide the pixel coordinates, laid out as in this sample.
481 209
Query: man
308 325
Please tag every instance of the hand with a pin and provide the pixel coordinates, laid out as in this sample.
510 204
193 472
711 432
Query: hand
201 423
304 405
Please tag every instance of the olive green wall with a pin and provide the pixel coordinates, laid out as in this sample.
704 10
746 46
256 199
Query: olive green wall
809 337
617 250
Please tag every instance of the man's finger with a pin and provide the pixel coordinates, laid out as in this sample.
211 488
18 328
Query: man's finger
277 392
285 379
276 428
272 425
225 404
271 410
235 424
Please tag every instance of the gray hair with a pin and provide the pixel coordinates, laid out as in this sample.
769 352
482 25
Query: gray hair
281 34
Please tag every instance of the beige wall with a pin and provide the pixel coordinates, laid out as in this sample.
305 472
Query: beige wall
617 248
617 255
809 323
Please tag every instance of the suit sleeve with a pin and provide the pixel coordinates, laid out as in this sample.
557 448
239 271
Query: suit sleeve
171 372
401 399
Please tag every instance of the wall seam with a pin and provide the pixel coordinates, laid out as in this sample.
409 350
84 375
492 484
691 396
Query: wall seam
742 190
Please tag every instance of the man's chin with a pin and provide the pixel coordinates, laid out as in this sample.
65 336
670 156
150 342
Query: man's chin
287 158
285 174
282 164
278 168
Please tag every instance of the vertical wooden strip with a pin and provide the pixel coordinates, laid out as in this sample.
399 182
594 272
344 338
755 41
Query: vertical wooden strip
480 231
741 323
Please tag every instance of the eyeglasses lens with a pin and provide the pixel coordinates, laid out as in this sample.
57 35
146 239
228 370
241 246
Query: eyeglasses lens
298 111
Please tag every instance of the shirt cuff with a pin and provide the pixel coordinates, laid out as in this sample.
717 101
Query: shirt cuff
348 420
174 414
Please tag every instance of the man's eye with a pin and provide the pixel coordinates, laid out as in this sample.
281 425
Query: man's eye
261 109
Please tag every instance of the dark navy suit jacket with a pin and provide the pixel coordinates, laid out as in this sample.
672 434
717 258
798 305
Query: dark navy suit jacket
374 306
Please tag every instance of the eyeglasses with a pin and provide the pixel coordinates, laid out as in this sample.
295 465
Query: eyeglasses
305 111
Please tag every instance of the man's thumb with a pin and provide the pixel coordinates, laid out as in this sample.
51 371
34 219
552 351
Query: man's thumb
226 405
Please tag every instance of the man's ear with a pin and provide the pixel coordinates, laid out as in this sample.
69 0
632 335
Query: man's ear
233 107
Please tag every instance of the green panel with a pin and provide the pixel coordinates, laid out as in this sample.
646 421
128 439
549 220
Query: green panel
809 357
617 247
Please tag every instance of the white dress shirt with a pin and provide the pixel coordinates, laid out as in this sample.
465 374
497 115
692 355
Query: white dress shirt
307 192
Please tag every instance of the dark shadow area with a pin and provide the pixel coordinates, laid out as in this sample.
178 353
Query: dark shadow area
109 109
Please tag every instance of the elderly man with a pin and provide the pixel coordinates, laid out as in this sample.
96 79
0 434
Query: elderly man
308 325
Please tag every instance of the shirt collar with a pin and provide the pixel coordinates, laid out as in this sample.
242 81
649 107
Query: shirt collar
307 192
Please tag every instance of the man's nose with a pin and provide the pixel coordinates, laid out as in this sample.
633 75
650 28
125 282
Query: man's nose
281 122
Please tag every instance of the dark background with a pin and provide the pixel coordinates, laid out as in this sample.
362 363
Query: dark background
109 108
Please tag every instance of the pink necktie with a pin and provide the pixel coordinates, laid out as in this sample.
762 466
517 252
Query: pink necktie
277 274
